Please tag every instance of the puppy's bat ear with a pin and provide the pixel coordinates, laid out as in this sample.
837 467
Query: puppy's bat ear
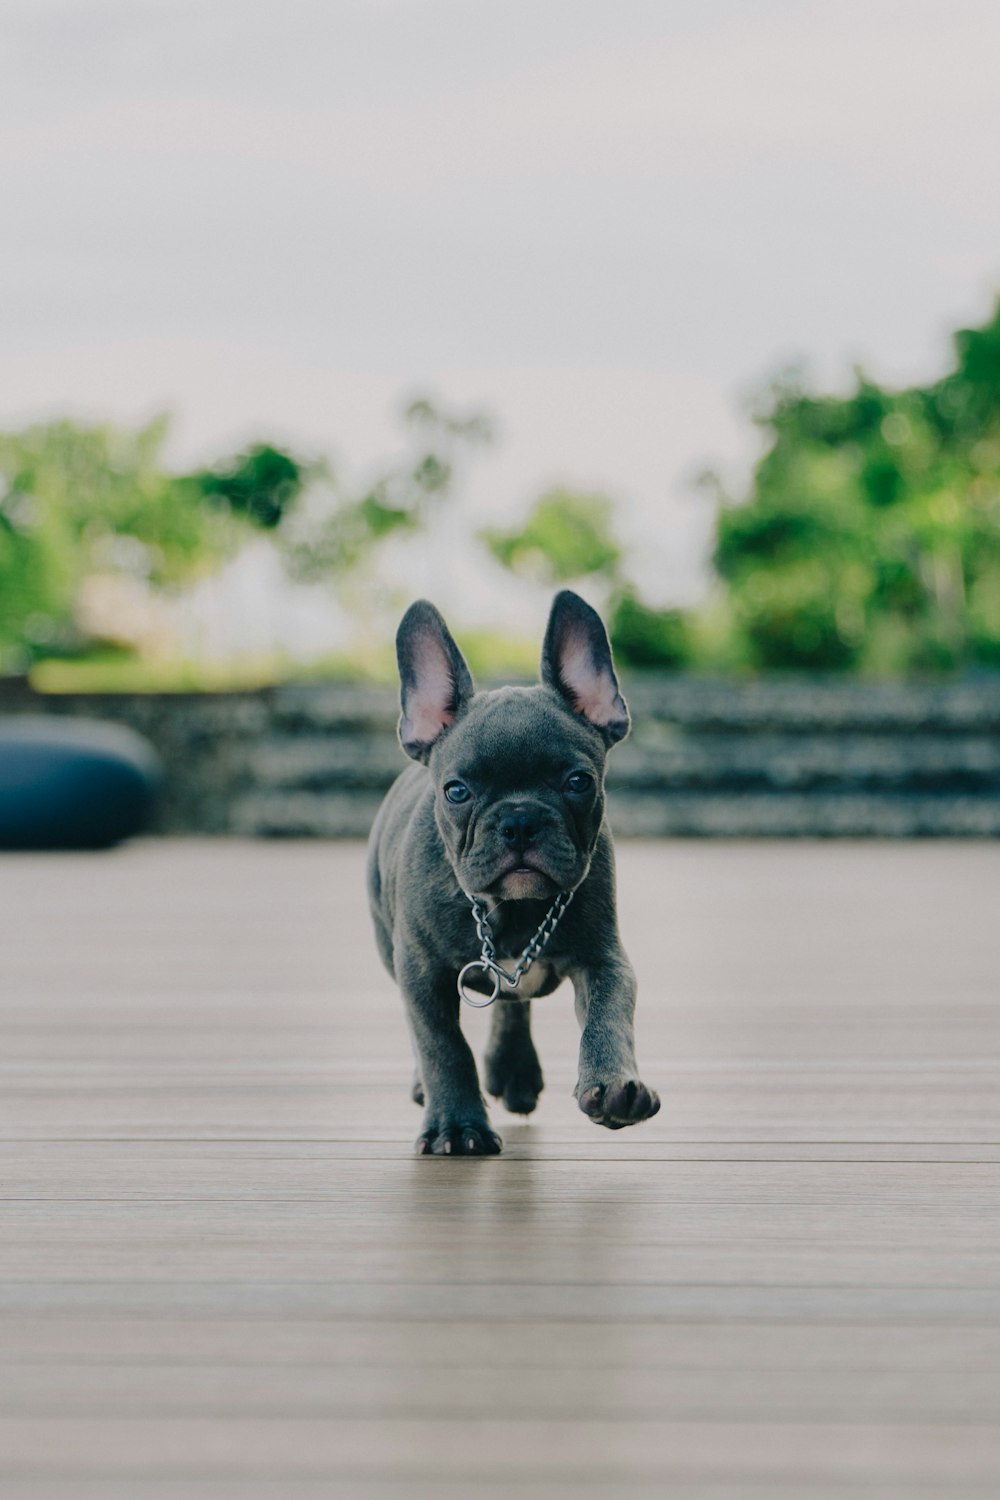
576 661
435 683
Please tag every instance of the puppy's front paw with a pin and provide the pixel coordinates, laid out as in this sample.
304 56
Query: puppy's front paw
624 1102
457 1139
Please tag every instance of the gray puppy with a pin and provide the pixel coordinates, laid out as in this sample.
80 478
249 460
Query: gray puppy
506 807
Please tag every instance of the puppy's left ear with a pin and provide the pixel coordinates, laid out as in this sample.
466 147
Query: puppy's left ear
435 683
576 661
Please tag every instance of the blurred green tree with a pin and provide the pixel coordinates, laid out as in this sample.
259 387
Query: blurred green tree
344 530
262 484
567 536
82 500
871 536
648 639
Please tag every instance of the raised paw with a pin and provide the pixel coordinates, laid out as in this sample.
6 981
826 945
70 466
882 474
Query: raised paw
458 1140
625 1102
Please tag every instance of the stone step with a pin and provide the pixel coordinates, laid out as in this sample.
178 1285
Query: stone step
339 706
290 814
303 815
792 704
663 758
337 761
805 705
804 815
773 757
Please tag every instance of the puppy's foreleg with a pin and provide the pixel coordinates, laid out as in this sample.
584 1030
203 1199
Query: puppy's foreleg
608 1087
455 1120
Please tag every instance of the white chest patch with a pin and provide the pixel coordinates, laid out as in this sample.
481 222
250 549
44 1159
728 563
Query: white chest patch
531 982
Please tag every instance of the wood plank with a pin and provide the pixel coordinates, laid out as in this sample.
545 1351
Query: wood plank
221 1272
463 1449
588 1303
290 1487
385 1390
918 1350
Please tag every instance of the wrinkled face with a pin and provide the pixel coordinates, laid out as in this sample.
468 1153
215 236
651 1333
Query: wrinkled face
518 773
519 786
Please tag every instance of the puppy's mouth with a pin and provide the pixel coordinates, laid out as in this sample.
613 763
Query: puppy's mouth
524 881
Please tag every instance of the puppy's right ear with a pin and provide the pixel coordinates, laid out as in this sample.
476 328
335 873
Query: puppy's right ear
435 683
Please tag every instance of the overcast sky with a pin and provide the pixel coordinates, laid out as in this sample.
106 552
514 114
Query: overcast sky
604 220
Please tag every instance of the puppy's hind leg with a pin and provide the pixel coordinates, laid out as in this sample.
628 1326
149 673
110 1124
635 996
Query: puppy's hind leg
513 1072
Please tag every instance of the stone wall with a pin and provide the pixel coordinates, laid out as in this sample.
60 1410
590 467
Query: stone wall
706 757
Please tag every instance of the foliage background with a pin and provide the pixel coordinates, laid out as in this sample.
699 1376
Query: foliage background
868 539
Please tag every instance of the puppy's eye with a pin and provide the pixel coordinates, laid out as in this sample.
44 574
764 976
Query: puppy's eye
456 791
578 781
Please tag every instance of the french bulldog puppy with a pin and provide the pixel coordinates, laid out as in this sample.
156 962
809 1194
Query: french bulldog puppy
505 805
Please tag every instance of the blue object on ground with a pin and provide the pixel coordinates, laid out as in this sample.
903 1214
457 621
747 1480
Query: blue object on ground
73 784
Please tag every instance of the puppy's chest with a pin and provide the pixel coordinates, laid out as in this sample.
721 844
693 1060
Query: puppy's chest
531 983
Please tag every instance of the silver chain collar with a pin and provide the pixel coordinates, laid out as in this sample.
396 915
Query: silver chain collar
488 962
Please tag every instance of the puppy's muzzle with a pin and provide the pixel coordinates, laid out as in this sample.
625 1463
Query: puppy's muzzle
520 829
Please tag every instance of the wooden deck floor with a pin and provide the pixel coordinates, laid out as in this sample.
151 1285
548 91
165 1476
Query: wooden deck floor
223 1274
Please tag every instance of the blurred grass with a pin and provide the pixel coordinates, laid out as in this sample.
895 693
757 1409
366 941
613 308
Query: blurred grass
120 672
490 656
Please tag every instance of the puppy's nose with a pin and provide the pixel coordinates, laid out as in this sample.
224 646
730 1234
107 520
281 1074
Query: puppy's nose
519 829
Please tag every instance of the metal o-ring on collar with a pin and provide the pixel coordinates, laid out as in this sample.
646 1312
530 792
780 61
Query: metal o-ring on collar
488 962
479 1002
